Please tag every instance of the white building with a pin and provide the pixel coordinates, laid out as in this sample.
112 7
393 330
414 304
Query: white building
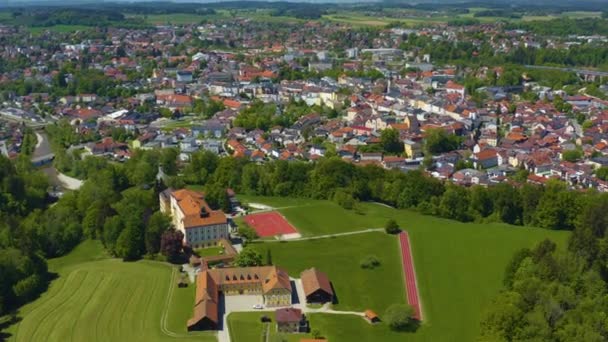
192 216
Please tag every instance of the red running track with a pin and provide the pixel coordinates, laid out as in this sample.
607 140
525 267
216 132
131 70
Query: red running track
410 275
269 224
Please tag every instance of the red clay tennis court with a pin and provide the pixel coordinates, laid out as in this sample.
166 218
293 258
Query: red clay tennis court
269 224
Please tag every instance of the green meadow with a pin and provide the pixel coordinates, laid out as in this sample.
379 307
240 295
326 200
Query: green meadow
97 298
459 266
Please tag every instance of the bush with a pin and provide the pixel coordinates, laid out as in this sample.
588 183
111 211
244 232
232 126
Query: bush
370 262
28 288
247 258
399 317
392 227
248 233
316 334
345 199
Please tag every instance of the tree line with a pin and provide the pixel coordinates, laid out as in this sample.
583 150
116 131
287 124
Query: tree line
118 204
553 294
551 206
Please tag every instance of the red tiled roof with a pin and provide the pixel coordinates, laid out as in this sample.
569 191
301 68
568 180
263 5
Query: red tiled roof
288 315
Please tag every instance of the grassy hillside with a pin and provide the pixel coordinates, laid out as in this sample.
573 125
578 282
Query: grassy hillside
96 298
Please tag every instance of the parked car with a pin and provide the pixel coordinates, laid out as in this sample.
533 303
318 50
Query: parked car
258 306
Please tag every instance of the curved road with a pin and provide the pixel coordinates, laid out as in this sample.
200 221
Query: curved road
43 149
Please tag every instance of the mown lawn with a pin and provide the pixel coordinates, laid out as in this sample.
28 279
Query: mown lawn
96 298
209 251
247 327
459 266
314 217
356 288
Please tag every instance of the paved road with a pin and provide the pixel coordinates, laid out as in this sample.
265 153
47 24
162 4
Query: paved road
43 147
42 150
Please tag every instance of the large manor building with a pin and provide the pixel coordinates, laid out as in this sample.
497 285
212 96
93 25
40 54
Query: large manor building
192 216
269 281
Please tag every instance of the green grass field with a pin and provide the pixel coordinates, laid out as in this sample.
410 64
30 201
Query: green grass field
177 18
96 298
356 289
209 251
312 217
59 28
459 266
417 18
246 326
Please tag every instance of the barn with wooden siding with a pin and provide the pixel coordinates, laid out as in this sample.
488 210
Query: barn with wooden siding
317 286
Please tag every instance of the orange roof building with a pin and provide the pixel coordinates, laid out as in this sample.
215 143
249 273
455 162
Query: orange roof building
371 316
270 281
191 215
317 287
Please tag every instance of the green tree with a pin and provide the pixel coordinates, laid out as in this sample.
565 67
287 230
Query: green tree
268 257
390 141
370 262
129 244
572 155
454 203
503 318
558 208
248 257
399 317
391 227
481 203
438 141
602 173
157 225
248 233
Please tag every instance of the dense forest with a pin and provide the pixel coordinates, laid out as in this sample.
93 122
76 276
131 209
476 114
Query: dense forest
22 264
564 26
45 17
556 295
468 54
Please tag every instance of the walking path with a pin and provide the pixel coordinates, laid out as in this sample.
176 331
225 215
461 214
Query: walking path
163 319
410 275
326 236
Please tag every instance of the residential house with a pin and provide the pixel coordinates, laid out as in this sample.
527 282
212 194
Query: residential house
289 320
485 159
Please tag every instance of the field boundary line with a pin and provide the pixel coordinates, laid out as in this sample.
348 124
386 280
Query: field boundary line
163 318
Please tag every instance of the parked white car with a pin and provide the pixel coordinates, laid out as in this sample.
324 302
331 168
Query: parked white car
258 306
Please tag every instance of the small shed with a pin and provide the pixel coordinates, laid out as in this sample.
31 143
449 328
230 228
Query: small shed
371 316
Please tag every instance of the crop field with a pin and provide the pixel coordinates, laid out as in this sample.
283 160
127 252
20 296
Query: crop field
96 298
